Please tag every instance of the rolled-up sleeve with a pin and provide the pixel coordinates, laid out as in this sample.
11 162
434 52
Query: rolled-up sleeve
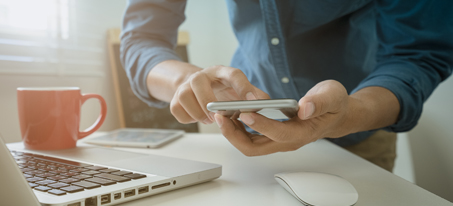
148 37
415 53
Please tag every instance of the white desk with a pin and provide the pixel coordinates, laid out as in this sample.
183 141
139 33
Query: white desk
250 180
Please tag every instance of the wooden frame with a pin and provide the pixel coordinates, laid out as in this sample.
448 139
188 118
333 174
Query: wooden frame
132 112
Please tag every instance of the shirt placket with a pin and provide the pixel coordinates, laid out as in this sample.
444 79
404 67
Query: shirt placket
276 44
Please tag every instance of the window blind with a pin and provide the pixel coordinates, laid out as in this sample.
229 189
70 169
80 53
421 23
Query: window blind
53 37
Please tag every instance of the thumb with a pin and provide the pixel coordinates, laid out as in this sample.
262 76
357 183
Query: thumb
326 97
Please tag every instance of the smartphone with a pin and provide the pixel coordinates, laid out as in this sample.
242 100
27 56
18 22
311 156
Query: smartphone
271 108
148 138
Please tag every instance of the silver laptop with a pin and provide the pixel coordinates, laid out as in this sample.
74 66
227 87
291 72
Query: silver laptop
92 176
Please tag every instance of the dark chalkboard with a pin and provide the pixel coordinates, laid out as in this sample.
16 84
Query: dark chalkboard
134 113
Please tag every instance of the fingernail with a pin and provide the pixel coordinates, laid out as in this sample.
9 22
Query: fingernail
309 110
218 120
247 118
250 96
207 121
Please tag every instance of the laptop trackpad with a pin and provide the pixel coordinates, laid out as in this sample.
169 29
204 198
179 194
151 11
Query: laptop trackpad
151 164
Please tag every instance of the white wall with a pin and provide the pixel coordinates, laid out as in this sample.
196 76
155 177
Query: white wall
212 41
432 143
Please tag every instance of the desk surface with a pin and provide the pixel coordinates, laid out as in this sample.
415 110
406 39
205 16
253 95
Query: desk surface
250 180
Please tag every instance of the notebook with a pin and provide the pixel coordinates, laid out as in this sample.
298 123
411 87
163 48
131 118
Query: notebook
92 176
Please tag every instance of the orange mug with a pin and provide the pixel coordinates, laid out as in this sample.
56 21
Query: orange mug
50 117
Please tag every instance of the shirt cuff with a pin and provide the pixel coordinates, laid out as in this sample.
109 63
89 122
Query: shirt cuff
138 75
401 79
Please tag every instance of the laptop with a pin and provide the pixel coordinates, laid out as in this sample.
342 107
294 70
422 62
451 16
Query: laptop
92 176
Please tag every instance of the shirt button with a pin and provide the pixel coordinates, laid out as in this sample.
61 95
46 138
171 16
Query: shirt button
285 80
275 41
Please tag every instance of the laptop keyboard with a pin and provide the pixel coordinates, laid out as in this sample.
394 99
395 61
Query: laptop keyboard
59 177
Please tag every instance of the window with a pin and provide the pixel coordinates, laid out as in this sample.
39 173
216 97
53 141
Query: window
51 37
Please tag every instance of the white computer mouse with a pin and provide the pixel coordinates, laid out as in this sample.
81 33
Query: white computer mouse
320 189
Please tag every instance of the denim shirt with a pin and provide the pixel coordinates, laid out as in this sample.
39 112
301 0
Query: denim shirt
286 47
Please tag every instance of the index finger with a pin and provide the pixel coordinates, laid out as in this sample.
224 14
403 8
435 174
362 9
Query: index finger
202 88
201 83
238 81
244 143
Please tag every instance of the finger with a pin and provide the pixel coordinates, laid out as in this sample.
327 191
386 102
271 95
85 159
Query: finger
200 84
235 135
190 103
240 126
256 138
326 97
180 113
238 81
250 146
260 139
282 132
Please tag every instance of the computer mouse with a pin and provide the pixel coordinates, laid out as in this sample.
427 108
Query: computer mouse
320 189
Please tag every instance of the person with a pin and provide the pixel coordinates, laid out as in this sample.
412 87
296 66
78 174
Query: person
361 70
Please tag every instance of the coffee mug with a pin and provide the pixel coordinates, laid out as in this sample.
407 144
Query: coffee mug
50 117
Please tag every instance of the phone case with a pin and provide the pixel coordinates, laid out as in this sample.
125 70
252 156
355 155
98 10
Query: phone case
288 107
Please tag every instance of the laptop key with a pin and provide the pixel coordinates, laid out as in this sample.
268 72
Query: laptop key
28 176
56 172
34 179
57 178
69 180
113 177
34 172
30 163
32 185
27 154
45 175
46 182
108 170
26 170
82 177
96 168
121 173
17 153
101 181
86 185
58 185
79 170
62 170
70 174
45 169
135 176
42 188
72 189
91 172
56 192
21 162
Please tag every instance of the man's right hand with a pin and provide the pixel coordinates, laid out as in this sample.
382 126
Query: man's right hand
201 86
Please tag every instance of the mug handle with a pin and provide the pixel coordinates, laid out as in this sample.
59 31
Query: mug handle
101 117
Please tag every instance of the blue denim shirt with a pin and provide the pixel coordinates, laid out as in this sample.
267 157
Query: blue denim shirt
286 47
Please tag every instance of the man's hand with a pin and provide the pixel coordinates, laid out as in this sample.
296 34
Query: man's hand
325 111
189 88
217 83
